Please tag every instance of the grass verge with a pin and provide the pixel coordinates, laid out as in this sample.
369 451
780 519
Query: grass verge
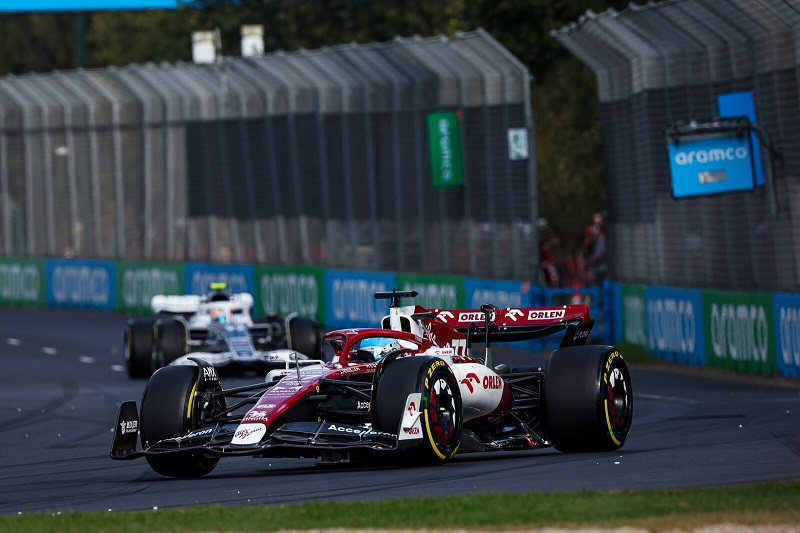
654 510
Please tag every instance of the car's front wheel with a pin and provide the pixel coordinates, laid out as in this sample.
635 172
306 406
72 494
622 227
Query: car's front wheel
169 410
439 409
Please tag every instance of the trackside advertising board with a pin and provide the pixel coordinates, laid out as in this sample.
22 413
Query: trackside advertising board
632 315
503 294
787 334
197 277
286 290
704 165
435 292
350 298
22 282
740 332
137 283
80 283
675 325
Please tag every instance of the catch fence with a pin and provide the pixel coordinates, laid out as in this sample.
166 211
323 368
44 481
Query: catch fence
672 61
323 157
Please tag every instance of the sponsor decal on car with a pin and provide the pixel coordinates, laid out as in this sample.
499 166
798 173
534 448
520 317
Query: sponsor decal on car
193 435
410 426
210 373
363 432
128 426
249 433
547 314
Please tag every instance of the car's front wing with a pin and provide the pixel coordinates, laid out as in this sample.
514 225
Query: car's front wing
293 439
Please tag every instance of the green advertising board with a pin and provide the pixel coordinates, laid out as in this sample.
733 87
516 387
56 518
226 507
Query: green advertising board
444 143
22 282
290 289
739 332
137 283
435 292
633 315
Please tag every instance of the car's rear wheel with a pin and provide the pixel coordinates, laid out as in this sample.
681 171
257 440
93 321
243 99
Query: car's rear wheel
169 342
137 345
588 399
169 410
440 407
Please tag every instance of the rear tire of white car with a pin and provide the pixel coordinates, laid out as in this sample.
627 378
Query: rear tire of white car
440 409
169 409
304 337
588 399
137 346
169 342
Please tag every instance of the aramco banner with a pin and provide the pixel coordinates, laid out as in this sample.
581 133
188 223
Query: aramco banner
739 330
711 164
22 282
444 143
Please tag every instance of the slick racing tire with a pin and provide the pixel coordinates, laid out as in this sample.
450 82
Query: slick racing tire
440 409
137 345
169 342
588 399
304 337
170 410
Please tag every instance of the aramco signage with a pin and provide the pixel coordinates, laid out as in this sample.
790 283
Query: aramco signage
444 142
710 158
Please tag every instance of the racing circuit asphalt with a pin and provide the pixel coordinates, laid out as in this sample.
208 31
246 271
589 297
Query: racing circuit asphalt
62 382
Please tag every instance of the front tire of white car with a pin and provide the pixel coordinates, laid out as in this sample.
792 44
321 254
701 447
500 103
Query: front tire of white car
169 342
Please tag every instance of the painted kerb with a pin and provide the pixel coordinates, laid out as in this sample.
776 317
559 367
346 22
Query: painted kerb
740 331
22 282
137 283
286 290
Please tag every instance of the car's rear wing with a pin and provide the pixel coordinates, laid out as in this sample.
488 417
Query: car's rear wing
490 325
175 304
190 303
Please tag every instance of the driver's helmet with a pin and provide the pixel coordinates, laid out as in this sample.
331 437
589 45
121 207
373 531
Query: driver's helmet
380 346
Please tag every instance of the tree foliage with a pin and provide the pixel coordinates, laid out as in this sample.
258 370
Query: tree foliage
568 141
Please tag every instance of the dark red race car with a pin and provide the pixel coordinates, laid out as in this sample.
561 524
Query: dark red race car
417 390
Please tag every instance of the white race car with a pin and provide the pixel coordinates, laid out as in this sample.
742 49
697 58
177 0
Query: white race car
217 327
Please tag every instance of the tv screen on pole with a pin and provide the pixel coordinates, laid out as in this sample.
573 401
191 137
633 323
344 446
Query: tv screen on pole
710 163
19 6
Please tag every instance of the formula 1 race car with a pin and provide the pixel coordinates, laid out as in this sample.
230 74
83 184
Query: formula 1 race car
412 391
217 327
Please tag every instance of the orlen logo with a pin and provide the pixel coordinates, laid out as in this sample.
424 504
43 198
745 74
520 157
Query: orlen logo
473 317
546 315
